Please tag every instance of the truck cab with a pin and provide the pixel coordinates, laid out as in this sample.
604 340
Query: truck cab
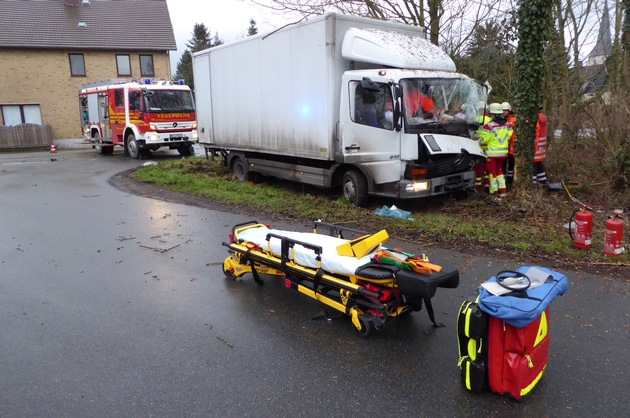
408 130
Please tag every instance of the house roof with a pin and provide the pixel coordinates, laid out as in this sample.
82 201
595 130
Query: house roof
95 24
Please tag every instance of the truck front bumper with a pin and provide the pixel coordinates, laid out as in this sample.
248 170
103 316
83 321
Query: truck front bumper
411 189
171 139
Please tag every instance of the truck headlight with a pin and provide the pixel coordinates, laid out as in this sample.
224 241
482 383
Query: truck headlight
153 136
418 187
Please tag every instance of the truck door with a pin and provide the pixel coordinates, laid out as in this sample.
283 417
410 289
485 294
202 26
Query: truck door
103 115
117 117
367 133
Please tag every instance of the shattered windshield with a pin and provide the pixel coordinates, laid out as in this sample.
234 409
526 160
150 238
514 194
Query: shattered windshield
158 101
441 100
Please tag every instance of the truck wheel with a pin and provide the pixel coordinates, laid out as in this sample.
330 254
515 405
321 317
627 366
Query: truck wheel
355 188
98 145
238 168
133 149
186 150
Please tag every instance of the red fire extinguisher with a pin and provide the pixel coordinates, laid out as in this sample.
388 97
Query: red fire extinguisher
613 242
583 236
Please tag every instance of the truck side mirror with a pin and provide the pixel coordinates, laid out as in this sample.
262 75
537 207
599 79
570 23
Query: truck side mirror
398 94
397 116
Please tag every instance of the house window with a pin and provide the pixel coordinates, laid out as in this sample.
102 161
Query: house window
146 65
77 65
19 114
123 64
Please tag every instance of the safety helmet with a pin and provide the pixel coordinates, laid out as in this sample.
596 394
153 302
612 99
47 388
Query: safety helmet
495 109
506 106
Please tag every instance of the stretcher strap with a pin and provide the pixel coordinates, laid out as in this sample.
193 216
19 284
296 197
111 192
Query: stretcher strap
427 303
257 278
317 279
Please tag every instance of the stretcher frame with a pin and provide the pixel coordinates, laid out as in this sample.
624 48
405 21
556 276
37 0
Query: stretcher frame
373 296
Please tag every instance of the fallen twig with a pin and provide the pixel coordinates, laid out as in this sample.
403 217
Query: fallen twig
225 342
159 250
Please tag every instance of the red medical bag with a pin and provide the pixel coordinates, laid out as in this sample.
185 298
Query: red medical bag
517 357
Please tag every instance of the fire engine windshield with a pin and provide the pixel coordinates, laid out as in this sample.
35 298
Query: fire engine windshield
443 101
159 101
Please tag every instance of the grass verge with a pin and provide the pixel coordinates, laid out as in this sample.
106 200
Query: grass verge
530 223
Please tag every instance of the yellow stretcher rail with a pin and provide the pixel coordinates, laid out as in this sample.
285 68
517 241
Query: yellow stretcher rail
371 296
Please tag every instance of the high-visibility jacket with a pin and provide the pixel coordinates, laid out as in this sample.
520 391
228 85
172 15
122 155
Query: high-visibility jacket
481 120
496 138
512 120
540 152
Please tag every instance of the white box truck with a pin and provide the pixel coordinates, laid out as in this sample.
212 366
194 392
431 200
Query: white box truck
338 101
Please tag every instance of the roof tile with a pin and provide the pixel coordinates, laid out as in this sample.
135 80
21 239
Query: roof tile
129 24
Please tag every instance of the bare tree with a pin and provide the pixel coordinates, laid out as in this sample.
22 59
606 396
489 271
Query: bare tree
449 22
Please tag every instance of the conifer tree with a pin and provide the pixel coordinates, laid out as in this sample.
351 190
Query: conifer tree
201 40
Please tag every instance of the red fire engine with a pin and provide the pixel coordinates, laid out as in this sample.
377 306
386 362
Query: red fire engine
141 116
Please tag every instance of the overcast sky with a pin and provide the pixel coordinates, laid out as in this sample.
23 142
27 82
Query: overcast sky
228 18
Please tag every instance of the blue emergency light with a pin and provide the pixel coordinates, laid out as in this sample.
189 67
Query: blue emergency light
147 81
181 81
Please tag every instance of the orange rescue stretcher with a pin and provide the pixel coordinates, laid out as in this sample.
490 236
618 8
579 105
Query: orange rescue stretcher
358 277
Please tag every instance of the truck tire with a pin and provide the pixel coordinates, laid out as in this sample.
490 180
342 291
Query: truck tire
132 146
239 170
354 188
186 150
98 145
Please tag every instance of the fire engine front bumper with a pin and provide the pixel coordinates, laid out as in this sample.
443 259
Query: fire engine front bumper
175 138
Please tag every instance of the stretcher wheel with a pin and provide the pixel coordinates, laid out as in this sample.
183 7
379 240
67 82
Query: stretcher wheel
228 274
367 327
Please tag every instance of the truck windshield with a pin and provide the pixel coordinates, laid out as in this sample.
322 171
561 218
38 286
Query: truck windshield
442 101
160 101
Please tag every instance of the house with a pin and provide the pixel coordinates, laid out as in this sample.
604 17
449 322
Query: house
49 49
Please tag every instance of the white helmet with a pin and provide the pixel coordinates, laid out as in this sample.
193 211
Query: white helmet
495 109
506 106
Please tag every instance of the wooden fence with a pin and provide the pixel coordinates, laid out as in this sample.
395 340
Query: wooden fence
28 135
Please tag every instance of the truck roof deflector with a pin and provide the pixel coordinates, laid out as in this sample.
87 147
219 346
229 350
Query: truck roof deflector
392 49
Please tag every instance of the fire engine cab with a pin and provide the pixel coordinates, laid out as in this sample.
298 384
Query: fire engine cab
141 116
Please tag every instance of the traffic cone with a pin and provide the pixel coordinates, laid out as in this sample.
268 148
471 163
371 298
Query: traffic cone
52 149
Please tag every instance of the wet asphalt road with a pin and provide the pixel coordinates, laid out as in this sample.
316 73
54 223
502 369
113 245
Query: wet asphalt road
95 321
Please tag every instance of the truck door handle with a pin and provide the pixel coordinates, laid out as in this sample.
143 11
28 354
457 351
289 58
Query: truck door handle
353 147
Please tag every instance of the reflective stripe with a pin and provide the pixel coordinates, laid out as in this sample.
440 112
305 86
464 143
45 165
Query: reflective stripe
526 390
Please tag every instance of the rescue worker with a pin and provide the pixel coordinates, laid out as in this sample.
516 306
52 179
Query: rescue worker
418 103
508 168
540 152
480 169
496 136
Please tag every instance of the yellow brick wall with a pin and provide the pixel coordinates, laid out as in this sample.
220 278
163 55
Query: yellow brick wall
38 76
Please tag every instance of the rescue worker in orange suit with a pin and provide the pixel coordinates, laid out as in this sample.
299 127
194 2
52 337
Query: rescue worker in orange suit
480 169
508 168
418 103
540 152
496 136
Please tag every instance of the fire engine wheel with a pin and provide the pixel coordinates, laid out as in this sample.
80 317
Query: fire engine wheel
133 149
355 188
238 168
367 327
98 145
